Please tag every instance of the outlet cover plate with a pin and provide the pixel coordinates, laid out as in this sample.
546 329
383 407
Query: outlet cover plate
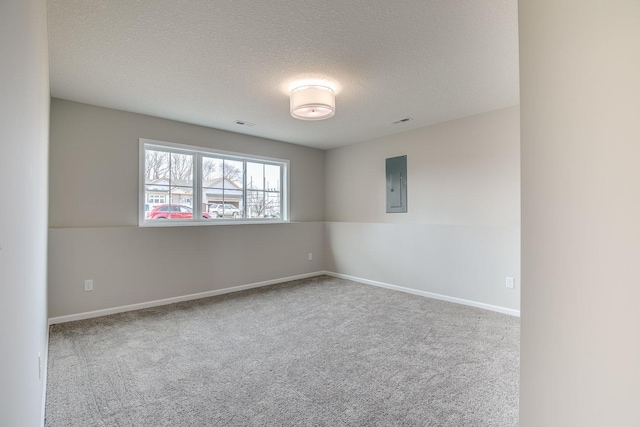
510 283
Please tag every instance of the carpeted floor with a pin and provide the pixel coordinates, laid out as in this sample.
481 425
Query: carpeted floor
314 352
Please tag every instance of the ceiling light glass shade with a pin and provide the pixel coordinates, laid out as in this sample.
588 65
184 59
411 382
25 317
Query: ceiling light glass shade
313 102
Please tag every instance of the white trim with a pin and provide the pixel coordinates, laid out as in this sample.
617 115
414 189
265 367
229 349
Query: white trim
166 301
232 155
216 222
141 182
44 378
455 300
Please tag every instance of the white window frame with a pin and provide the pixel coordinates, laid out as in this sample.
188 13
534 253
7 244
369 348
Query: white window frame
198 152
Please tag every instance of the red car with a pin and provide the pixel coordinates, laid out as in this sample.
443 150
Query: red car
173 212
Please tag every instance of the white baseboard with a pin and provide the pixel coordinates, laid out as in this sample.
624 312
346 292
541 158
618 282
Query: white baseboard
166 301
476 304
44 377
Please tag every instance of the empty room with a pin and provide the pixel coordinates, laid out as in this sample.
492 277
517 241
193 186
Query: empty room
417 213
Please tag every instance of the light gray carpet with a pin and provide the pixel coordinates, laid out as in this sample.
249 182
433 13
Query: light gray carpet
314 352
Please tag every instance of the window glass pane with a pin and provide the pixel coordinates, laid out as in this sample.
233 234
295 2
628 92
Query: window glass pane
156 179
272 205
222 187
212 185
168 184
181 191
255 176
156 165
233 189
181 174
272 177
255 204
211 168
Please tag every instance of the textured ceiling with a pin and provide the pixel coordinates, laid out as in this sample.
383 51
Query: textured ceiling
212 62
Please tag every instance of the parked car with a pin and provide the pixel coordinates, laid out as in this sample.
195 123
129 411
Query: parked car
168 211
225 210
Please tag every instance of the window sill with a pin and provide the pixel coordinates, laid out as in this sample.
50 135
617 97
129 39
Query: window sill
206 223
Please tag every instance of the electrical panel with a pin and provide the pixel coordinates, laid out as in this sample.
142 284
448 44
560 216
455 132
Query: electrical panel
397 184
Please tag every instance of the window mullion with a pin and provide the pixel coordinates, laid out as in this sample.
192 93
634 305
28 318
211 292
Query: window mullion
283 209
170 178
196 187
244 190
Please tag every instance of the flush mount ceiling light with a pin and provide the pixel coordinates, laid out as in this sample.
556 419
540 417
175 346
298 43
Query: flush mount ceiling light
313 102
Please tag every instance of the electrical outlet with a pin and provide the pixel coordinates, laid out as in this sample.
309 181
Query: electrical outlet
310 256
510 283
88 285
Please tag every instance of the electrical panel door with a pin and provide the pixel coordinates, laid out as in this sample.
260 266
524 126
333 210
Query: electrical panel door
397 184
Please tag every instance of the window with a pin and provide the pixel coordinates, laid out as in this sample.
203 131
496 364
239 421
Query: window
155 198
185 185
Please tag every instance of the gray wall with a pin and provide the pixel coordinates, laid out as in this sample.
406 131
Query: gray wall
461 235
24 130
94 161
94 207
580 104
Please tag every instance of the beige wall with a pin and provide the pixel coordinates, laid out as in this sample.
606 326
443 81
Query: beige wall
580 104
131 265
462 172
459 239
94 161
24 130
460 236
94 216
